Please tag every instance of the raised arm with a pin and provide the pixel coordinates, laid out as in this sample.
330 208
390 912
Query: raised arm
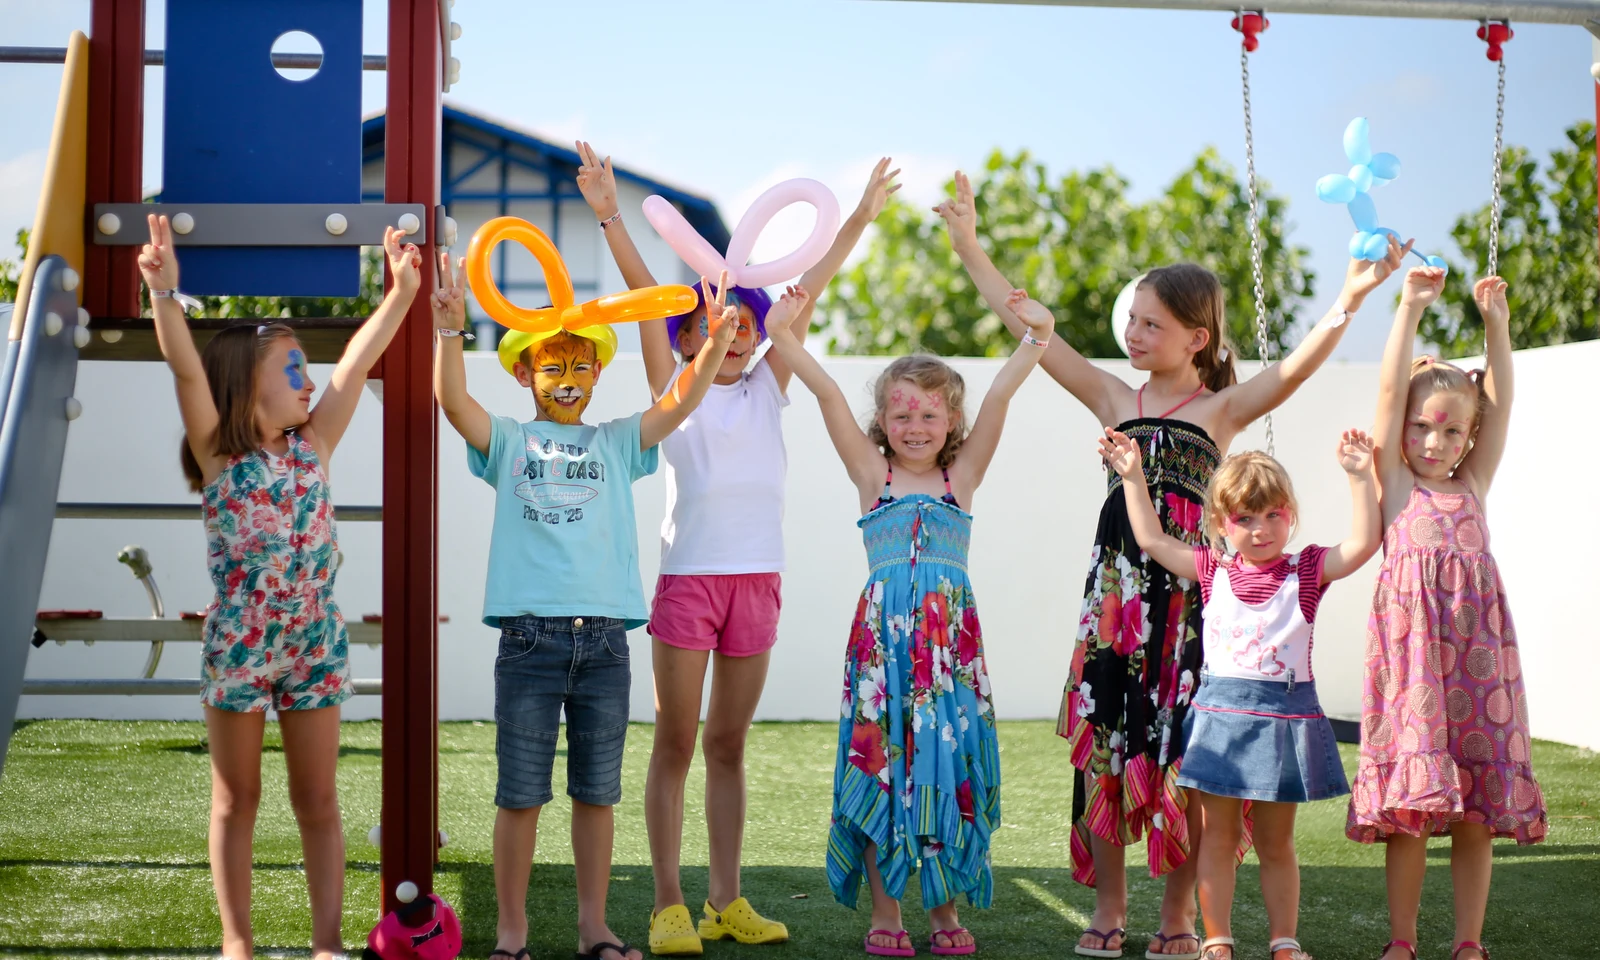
972 460
1423 286
158 265
1366 520
675 405
598 184
1495 420
449 304
1122 453
331 416
1093 387
861 458
1244 402
879 188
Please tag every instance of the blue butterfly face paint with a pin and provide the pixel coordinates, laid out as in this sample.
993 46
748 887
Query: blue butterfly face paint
732 300
295 371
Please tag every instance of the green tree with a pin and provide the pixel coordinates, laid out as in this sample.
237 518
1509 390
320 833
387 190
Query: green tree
11 270
1549 254
1073 243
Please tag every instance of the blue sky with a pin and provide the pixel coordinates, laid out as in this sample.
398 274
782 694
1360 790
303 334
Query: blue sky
728 98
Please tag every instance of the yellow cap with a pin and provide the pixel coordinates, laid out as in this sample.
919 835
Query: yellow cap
516 341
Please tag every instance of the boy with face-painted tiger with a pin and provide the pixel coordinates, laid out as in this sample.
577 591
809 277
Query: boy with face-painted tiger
563 587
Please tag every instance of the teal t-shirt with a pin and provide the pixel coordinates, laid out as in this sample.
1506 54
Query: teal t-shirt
565 542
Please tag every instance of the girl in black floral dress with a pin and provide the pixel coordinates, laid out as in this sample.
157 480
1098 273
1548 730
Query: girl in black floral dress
1134 665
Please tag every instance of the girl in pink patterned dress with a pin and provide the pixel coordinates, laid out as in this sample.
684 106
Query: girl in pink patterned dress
255 449
1444 727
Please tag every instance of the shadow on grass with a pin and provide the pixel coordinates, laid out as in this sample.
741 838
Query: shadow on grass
1039 913
351 866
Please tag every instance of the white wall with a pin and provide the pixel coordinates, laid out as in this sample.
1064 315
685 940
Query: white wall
1035 517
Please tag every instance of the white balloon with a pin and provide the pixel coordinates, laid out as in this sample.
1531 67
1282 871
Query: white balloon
1121 309
375 835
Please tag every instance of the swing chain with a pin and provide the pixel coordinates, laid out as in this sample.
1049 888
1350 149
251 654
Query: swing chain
1494 207
1255 223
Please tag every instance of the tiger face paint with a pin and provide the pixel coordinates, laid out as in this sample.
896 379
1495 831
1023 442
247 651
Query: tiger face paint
562 374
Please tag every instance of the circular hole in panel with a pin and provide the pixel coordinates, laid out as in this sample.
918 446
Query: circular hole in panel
296 56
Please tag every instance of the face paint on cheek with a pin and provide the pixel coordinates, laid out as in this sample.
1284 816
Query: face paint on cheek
295 371
705 325
1412 442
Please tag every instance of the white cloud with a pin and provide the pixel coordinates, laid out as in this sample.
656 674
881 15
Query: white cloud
21 178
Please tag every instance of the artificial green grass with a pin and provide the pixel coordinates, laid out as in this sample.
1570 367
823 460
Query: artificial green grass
103 853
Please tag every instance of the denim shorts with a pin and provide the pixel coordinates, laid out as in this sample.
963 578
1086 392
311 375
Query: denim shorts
1260 740
548 665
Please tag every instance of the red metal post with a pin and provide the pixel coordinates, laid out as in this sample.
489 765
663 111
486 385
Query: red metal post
116 147
410 473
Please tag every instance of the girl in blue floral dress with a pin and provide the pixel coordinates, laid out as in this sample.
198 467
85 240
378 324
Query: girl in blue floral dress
917 776
254 448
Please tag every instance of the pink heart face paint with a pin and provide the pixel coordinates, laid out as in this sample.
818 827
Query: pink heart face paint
1259 537
1437 432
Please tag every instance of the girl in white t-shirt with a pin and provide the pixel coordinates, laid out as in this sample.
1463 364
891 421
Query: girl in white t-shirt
719 590
1258 742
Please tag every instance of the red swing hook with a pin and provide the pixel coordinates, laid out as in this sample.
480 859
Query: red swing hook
1495 33
1251 24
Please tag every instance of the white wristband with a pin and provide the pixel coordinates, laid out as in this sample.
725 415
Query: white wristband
1029 338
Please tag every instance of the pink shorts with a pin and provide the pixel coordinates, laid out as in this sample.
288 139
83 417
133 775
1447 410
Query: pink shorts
734 614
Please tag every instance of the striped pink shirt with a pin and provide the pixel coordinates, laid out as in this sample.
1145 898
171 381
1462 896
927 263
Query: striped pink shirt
1256 585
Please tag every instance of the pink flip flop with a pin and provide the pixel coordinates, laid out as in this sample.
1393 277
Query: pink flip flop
877 951
939 951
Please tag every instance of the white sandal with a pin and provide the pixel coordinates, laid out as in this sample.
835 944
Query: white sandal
1287 943
1206 951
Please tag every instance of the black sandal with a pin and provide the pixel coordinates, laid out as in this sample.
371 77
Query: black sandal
600 948
522 954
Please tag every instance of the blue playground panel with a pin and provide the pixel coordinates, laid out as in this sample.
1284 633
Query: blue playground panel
33 442
237 132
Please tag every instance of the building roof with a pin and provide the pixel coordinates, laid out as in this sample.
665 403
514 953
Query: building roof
701 213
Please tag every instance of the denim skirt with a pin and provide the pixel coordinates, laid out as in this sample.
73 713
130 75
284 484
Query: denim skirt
1260 740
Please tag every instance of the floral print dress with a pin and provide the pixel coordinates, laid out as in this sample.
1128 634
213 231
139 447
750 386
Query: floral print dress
918 765
273 635
1137 660
1444 719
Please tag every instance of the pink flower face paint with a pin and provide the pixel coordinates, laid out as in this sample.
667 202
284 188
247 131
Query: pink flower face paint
296 370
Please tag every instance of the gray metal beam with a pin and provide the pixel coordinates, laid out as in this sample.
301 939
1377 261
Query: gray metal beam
158 58
151 630
258 224
1573 12
180 511
159 687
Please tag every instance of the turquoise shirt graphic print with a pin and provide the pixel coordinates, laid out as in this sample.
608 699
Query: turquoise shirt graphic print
565 542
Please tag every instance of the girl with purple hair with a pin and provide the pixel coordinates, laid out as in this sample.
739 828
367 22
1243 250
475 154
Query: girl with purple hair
719 593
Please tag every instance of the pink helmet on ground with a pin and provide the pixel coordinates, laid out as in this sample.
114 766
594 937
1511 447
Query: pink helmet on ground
426 929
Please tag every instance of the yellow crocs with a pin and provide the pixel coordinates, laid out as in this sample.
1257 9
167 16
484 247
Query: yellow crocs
741 922
672 933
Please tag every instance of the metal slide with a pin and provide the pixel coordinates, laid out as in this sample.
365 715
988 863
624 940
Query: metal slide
42 368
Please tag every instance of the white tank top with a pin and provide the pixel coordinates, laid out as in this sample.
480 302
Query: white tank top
725 468
1269 641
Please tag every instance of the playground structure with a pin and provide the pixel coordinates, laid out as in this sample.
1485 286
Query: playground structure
80 256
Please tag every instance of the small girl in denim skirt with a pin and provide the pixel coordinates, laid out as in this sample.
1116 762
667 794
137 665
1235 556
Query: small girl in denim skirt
1258 743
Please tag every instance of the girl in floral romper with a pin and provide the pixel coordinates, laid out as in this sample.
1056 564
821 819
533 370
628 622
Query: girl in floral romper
1444 720
254 449
1137 658
917 774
